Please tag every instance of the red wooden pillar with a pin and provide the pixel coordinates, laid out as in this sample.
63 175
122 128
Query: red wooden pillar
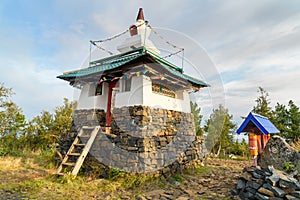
259 143
265 139
108 111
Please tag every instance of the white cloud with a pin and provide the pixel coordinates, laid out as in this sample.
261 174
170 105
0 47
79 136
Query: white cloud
252 44
35 90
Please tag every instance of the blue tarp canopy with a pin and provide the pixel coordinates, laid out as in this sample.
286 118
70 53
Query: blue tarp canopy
257 122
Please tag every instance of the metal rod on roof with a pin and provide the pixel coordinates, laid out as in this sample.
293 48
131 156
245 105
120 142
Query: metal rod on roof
90 55
182 60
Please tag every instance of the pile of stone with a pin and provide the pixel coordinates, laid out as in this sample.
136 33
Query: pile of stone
263 184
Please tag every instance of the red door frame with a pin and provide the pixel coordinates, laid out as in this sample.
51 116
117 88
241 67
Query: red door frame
108 111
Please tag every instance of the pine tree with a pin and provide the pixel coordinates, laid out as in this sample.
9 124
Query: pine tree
195 110
219 128
281 119
293 122
263 104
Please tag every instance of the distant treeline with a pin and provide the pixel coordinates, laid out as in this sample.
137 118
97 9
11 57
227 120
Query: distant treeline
43 132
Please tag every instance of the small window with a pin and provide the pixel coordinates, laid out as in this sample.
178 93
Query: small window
98 90
127 85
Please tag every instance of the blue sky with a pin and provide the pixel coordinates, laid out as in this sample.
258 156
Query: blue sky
251 44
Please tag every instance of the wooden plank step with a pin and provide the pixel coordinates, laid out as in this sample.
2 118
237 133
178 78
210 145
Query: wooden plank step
74 154
88 127
80 156
69 164
85 150
79 145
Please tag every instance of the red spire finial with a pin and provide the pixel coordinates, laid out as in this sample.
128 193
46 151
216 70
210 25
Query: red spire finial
140 15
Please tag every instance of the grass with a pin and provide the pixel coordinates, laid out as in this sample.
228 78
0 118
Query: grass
33 176
296 145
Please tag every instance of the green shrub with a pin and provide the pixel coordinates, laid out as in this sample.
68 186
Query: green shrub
289 167
3 151
6 151
178 178
113 172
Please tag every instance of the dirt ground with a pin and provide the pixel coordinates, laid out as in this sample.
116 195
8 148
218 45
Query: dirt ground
215 181
23 180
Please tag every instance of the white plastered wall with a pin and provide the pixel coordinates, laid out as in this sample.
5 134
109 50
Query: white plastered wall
139 94
87 100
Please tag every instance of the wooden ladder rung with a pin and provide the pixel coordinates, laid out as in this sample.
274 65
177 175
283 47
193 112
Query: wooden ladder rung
79 145
74 154
60 174
80 156
88 127
69 164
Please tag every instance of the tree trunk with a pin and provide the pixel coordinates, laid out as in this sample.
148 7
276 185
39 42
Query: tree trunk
219 150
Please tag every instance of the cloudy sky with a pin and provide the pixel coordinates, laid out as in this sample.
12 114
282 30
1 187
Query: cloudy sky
250 43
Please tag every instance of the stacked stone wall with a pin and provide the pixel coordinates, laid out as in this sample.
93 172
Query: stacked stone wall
146 140
149 140
89 117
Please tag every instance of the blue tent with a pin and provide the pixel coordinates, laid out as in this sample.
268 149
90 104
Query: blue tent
255 122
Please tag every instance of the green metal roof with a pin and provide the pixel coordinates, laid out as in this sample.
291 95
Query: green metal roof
102 65
121 59
184 76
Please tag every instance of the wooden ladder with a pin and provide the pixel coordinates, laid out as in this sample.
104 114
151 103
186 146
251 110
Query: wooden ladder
78 151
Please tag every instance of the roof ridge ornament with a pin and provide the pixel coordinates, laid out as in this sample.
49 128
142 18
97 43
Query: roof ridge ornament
140 15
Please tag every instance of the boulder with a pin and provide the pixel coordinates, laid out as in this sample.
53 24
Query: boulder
278 152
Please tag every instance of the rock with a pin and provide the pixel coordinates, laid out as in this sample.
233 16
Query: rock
140 197
289 183
189 192
163 198
273 180
166 196
267 183
290 197
173 181
258 176
183 198
277 152
201 192
154 194
246 195
266 192
296 194
261 196
268 186
247 176
241 184
278 192
252 184
251 190
234 192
